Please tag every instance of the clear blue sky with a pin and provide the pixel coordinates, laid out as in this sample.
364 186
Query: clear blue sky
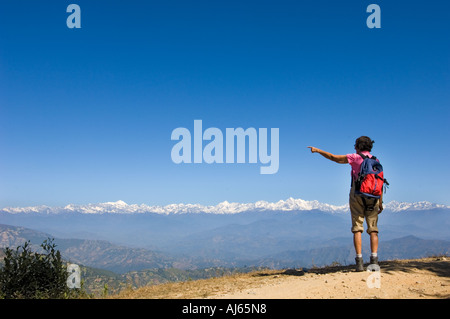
86 114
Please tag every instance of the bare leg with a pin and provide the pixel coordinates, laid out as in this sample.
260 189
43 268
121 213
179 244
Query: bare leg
374 241
358 248
358 242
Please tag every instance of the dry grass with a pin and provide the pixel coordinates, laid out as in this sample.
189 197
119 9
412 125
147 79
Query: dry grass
203 288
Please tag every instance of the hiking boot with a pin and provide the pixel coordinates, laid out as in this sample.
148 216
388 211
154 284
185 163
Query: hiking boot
359 264
373 260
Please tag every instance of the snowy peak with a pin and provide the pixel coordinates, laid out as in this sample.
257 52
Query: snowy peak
119 203
423 205
225 207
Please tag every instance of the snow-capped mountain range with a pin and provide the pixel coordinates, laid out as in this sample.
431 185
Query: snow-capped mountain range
291 204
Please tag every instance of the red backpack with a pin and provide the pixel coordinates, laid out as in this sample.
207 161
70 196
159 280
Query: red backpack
370 181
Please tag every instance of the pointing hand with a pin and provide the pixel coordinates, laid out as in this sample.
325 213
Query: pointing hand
313 149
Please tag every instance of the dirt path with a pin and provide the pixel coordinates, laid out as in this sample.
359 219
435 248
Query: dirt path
403 279
426 278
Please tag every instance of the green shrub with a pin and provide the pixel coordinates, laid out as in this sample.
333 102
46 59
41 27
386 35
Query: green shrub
29 275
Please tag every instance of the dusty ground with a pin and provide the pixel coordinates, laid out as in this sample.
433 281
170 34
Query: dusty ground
402 279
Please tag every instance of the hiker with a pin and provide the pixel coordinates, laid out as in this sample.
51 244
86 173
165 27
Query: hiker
361 207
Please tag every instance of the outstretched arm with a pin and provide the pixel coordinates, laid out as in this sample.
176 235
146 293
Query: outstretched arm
341 159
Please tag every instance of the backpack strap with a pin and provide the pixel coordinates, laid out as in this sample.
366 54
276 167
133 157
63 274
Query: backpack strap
365 156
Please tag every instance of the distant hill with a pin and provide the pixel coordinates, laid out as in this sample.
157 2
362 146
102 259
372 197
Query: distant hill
94 253
122 259
401 248
106 267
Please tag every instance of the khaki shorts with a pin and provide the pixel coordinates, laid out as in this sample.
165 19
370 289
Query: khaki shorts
359 213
